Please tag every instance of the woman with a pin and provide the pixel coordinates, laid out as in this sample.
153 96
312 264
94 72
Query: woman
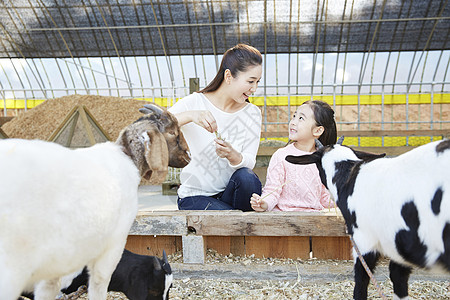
222 130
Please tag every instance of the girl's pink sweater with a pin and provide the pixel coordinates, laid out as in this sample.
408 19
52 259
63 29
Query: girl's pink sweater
303 190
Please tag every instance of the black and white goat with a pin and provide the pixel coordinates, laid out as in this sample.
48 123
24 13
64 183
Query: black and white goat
397 207
63 209
139 277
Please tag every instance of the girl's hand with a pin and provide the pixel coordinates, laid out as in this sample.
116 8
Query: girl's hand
225 150
257 203
205 119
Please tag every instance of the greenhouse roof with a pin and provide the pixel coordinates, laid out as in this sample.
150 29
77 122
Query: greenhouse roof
94 28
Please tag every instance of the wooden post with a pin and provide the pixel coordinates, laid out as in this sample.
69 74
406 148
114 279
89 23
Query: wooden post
193 249
194 85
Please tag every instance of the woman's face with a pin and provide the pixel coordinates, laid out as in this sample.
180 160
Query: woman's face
302 126
245 83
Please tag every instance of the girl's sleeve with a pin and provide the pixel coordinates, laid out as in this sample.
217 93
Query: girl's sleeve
250 149
325 198
276 176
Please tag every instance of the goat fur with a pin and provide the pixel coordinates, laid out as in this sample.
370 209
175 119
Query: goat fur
397 207
139 277
64 209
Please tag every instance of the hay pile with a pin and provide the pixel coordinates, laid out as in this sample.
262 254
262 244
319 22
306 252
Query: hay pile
112 113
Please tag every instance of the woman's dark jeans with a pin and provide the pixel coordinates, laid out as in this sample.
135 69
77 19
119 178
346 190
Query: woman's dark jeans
243 183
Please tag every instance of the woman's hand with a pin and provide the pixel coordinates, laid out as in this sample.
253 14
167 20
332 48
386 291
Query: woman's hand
257 203
202 118
225 150
205 119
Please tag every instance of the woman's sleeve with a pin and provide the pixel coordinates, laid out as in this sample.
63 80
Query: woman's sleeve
253 135
276 176
181 105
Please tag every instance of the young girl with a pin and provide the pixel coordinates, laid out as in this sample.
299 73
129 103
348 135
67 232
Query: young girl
222 130
292 187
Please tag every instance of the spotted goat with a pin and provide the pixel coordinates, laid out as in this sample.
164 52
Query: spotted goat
396 207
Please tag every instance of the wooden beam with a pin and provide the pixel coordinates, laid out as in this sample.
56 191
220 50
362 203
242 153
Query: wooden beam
237 223
160 223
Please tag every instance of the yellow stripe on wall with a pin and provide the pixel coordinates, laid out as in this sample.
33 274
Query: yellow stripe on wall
284 100
374 141
353 99
20 104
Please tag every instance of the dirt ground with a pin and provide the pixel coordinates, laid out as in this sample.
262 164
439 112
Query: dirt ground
230 277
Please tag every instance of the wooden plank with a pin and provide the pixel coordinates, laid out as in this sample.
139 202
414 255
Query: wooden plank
150 245
280 246
331 247
226 244
237 245
221 244
63 124
159 223
237 223
97 124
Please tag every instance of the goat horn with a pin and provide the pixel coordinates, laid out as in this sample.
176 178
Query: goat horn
145 111
154 109
319 144
340 140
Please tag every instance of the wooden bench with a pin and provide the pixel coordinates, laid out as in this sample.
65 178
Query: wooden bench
269 234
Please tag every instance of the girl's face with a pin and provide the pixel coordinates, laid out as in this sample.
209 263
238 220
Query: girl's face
302 127
245 83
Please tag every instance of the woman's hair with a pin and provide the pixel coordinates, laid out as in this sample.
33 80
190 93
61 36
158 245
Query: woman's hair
324 116
236 59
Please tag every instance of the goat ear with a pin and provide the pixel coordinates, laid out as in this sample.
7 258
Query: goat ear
319 144
165 265
157 154
366 156
304 159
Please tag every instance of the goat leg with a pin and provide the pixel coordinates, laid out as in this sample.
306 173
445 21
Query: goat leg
361 276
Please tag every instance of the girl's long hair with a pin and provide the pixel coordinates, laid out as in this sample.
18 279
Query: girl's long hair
324 116
236 59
